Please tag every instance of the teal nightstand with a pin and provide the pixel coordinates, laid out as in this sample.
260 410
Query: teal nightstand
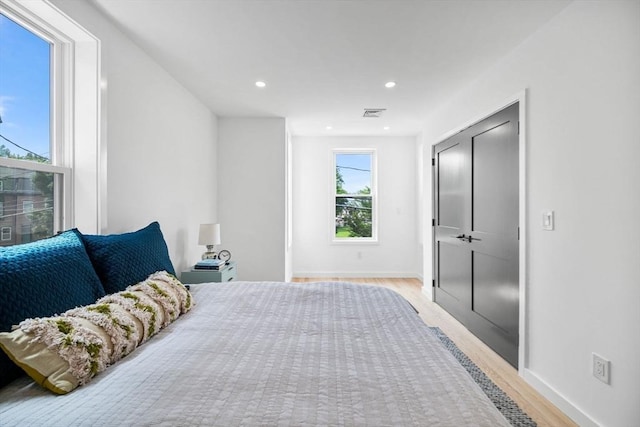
228 274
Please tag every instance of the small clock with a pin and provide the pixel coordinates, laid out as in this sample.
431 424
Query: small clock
224 255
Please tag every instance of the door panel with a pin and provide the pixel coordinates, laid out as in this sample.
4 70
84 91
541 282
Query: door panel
453 279
476 230
495 181
494 296
451 184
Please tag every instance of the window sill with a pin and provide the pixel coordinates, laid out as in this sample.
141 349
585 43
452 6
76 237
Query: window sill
354 241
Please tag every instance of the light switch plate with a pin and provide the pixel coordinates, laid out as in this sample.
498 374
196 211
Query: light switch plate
547 220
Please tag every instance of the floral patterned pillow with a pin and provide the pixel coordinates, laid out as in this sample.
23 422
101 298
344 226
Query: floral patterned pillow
63 352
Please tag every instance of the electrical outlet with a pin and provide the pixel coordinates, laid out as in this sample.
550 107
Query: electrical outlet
601 368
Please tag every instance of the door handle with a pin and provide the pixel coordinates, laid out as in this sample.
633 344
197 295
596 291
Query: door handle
466 238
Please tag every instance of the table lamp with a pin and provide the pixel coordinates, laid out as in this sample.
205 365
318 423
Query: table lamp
209 236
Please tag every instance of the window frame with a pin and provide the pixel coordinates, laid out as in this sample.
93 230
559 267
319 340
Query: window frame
374 197
2 231
76 103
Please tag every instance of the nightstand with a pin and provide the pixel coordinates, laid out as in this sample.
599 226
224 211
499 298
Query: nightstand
227 274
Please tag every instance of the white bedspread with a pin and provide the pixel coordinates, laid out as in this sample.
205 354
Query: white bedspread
274 354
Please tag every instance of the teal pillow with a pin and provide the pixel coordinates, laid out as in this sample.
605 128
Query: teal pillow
41 279
124 259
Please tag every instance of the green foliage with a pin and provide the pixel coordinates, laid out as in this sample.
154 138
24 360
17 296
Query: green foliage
359 220
42 219
339 183
5 152
356 216
353 214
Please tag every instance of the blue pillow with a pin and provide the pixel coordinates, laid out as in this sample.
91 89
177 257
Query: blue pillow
125 259
41 279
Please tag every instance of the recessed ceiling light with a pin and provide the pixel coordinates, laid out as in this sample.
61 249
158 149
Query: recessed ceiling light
260 84
329 127
386 128
390 84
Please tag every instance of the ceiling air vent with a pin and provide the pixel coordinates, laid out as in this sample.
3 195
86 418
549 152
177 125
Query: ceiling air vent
373 112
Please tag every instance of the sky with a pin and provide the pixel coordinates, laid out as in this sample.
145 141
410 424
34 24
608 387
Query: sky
355 170
24 89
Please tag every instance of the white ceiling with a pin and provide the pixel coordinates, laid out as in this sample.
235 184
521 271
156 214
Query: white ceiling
325 61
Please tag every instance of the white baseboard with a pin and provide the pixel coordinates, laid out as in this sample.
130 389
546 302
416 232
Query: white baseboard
357 274
569 409
427 291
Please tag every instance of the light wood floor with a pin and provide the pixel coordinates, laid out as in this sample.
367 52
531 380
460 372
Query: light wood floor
543 412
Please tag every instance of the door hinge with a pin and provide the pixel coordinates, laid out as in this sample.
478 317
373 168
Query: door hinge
433 162
433 283
433 222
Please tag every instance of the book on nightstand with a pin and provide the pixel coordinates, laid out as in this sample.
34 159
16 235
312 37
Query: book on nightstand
210 264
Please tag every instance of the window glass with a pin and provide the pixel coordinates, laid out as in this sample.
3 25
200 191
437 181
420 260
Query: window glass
354 196
25 91
27 204
31 197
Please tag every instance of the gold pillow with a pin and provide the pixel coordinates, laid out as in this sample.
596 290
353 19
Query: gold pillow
60 352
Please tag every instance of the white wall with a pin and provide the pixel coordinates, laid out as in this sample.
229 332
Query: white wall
288 265
160 143
252 195
581 73
396 253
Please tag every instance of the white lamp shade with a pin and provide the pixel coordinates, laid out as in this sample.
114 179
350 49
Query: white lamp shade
209 234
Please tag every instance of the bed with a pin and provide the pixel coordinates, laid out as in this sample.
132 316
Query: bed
110 337
273 354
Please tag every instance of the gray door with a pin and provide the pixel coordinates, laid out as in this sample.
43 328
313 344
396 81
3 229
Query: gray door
476 230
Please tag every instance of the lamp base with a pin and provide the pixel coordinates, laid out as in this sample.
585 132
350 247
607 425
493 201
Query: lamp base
210 253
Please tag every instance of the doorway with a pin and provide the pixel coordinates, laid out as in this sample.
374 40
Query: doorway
476 232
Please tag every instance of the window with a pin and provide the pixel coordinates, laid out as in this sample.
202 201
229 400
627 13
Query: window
27 206
5 234
1 210
26 233
29 164
354 196
47 64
